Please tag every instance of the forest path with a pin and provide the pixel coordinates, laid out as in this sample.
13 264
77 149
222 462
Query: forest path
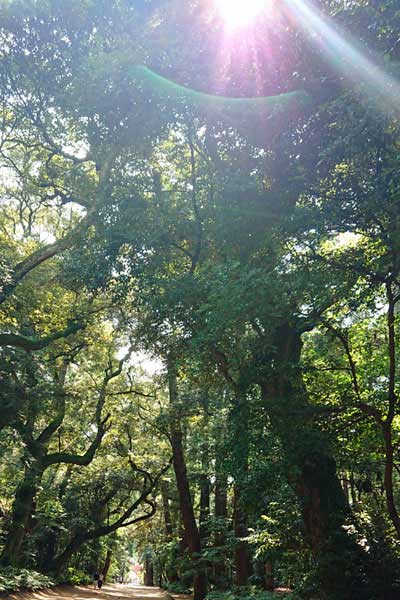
109 592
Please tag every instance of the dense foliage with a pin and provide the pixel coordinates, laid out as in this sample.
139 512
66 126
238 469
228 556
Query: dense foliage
12 580
224 206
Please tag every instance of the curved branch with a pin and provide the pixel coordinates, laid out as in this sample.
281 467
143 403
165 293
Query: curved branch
31 262
79 459
363 406
123 521
43 254
31 344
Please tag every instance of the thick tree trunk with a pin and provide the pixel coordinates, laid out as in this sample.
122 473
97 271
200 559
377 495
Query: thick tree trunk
192 534
21 512
107 564
342 563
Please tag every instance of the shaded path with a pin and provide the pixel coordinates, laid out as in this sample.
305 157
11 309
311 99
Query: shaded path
109 592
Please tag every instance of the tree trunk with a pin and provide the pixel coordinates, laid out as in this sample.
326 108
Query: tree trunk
169 533
239 418
148 572
107 564
48 551
341 562
221 513
183 544
171 572
62 559
269 576
21 512
353 493
388 477
242 560
192 534
204 506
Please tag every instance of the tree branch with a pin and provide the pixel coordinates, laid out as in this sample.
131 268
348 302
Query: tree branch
31 344
80 459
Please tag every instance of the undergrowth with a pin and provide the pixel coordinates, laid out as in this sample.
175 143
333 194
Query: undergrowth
74 576
13 580
248 594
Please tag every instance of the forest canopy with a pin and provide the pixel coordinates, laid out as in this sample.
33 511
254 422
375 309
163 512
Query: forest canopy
199 295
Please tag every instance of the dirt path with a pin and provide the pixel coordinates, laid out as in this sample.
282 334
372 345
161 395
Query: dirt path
109 592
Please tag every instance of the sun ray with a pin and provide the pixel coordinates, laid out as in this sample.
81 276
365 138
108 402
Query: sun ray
239 13
346 56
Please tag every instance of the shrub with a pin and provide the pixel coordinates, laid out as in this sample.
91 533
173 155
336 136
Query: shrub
247 593
74 576
13 580
177 587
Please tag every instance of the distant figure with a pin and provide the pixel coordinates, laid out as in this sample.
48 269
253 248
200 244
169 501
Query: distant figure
95 580
100 581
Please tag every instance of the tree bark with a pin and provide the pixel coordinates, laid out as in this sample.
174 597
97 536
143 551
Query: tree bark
192 534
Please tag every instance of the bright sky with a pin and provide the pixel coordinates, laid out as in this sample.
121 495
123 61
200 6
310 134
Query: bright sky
149 365
239 13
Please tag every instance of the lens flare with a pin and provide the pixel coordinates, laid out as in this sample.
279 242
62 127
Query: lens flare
239 13
347 57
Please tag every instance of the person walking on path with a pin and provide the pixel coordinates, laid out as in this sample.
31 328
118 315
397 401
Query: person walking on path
100 581
95 580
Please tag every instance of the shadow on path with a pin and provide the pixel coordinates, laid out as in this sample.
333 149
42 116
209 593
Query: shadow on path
108 592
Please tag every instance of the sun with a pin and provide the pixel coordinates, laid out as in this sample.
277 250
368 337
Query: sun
239 13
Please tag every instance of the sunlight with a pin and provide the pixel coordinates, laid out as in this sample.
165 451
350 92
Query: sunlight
347 56
239 13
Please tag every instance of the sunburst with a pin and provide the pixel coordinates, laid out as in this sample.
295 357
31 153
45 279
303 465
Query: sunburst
240 13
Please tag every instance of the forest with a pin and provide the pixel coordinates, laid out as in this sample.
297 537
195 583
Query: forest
200 295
